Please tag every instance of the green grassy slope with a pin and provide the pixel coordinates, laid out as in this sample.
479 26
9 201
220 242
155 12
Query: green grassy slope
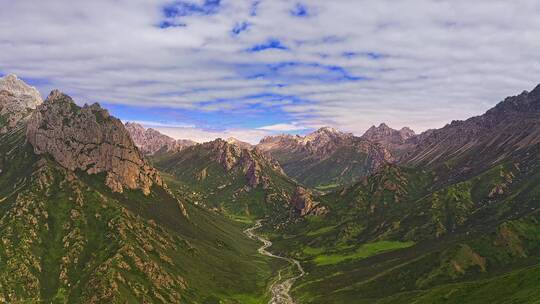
404 235
195 173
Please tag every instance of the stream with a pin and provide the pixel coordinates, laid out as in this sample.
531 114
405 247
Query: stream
281 287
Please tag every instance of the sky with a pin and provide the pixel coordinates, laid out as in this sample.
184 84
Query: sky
202 69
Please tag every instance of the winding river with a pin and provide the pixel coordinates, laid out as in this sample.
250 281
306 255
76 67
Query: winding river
281 287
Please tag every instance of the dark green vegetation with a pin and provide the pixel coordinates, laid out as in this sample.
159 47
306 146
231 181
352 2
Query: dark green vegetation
228 179
66 238
393 236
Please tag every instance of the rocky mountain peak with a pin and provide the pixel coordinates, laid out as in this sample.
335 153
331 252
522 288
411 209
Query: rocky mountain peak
20 89
91 140
407 132
135 126
151 141
506 130
328 130
17 100
385 135
396 141
241 144
324 133
250 161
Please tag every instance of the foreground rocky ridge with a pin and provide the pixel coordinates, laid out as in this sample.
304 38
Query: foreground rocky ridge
91 140
69 238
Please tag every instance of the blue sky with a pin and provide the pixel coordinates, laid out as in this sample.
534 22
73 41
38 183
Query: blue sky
250 68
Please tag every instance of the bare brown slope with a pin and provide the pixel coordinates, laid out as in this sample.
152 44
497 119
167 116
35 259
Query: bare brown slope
510 129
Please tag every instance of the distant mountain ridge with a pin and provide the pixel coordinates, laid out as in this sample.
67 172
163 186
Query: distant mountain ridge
386 135
151 141
397 141
17 100
508 130
326 157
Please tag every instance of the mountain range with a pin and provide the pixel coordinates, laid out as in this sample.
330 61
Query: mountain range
151 141
93 210
326 158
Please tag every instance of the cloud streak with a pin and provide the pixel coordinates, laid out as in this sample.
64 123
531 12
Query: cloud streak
349 63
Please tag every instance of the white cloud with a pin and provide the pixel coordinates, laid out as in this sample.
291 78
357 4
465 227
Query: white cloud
445 59
202 135
283 127
156 124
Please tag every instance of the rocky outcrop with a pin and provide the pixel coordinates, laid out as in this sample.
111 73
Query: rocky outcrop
151 141
396 141
384 134
251 162
17 100
302 201
241 144
326 156
91 140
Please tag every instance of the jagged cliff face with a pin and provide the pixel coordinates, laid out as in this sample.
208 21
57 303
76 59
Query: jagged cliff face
17 100
233 180
396 141
326 156
91 140
250 162
384 134
151 141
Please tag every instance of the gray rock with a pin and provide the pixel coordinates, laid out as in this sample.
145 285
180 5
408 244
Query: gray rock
91 140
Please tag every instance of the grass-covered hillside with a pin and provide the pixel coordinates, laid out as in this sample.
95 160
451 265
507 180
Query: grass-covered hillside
227 178
403 235
66 238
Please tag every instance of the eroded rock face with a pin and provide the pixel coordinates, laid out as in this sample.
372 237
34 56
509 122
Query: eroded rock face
17 100
396 141
384 134
308 158
91 140
151 141
251 162
303 201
